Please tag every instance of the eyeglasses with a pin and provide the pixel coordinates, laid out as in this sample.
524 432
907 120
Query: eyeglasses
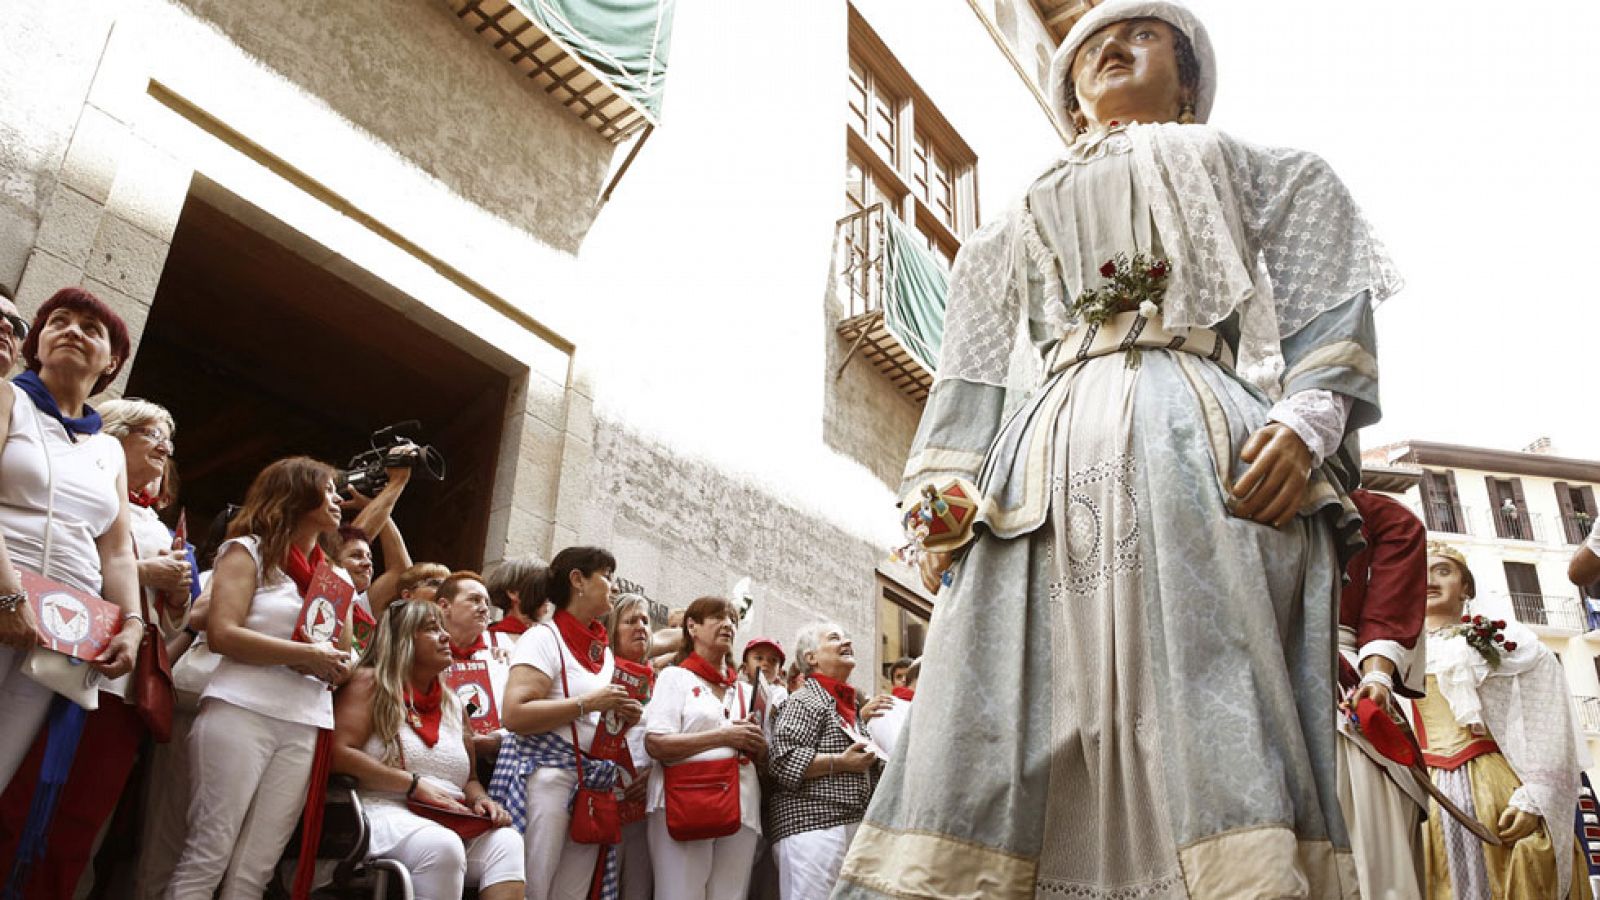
19 325
154 435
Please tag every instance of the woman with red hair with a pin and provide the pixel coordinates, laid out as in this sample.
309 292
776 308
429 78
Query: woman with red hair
63 515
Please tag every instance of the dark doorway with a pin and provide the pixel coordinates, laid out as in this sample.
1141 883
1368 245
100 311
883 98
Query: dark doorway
260 353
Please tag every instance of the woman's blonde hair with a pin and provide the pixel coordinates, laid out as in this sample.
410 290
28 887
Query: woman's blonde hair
120 416
390 656
622 609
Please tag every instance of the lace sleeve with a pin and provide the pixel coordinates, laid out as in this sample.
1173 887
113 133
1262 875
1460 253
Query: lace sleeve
1317 416
983 309
1318 249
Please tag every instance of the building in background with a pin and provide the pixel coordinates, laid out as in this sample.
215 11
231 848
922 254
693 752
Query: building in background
683 305
1518 517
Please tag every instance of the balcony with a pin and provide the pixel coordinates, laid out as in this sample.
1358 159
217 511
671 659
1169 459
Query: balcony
1550 613
1576 528
894 293
1589 714
606 63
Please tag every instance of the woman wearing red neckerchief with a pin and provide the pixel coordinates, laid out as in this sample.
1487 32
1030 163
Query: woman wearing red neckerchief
560 684
822 776
700 713
404 736
254 740
630 642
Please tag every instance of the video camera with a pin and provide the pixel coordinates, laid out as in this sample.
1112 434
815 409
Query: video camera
366 472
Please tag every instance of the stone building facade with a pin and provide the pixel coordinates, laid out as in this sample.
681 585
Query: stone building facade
318 219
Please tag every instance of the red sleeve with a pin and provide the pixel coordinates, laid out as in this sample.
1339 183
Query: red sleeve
1397 573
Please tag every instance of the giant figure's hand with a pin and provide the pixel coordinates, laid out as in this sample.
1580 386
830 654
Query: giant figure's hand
1270 491
932 567
1515 824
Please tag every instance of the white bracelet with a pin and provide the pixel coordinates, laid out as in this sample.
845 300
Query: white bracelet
1378 676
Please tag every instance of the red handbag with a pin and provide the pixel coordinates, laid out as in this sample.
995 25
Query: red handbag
596 818
702 799
153 694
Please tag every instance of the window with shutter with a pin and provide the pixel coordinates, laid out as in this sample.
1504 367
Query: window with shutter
1509 509
1527 601
1439 508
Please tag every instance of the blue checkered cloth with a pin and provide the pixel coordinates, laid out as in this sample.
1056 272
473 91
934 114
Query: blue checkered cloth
520 754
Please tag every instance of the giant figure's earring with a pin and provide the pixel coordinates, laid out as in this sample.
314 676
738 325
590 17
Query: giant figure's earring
1186 113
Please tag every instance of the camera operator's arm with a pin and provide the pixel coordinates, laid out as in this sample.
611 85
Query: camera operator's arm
396 559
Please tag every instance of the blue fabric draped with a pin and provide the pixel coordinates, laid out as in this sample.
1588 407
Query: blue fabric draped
88 423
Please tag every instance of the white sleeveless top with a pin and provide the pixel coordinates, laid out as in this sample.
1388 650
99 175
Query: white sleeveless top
444 765
276 691
86 500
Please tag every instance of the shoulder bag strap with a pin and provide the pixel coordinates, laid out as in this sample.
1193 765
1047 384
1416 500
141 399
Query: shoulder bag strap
50 492
577 753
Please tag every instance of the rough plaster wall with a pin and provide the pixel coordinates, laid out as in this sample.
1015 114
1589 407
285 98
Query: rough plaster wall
414 77
682 529
50 55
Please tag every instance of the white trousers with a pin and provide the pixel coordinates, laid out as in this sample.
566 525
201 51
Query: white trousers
441 865
809 862
165 829
249 774
717 869
1384 825
638 879
557 868
24 704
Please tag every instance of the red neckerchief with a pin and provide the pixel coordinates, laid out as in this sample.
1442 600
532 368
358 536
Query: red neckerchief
904 693
844 696
588 645
423 712
509 625
462 654
698 665
143 498
639 669
299 568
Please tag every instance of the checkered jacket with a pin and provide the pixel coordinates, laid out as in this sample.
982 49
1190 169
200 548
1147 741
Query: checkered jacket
808 724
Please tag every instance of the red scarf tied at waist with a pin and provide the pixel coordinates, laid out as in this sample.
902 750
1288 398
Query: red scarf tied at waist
462 654
844 696
588 644
698 665
423 711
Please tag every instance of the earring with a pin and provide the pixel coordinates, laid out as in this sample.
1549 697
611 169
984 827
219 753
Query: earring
1186 114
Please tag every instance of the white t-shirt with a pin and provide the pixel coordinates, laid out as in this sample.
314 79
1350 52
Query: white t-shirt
543 648
276 691
683 703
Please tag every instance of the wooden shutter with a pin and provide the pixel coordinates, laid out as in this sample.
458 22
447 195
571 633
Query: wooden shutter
1522 578
1502 522
1521 501
1459 520
1429 499
1589 507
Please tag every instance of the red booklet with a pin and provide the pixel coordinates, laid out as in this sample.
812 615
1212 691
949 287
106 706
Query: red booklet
470 680
71 621
611 738
328 599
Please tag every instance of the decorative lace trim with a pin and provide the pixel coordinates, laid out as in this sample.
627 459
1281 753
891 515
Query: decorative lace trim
1170 886
1044 261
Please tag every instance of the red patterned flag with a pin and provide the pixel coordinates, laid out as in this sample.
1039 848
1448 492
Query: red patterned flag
470 680
327 601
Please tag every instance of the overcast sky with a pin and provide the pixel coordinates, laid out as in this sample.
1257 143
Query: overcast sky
1468 133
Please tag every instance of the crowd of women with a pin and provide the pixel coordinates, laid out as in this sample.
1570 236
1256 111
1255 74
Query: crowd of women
624 762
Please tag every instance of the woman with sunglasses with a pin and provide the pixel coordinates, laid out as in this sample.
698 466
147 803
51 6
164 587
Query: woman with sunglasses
63 514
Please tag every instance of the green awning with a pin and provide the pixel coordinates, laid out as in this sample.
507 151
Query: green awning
915 288
624 41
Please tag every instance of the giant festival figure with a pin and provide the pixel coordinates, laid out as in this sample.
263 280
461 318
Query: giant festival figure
1129 479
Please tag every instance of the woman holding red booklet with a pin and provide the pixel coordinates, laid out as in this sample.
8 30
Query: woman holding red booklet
253 743
408 742
703 829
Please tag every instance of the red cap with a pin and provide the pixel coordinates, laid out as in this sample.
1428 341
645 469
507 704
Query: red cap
765 642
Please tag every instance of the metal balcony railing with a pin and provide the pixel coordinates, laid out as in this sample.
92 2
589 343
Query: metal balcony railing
861 265
1553 612
1444 517
1576 528
1589 714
